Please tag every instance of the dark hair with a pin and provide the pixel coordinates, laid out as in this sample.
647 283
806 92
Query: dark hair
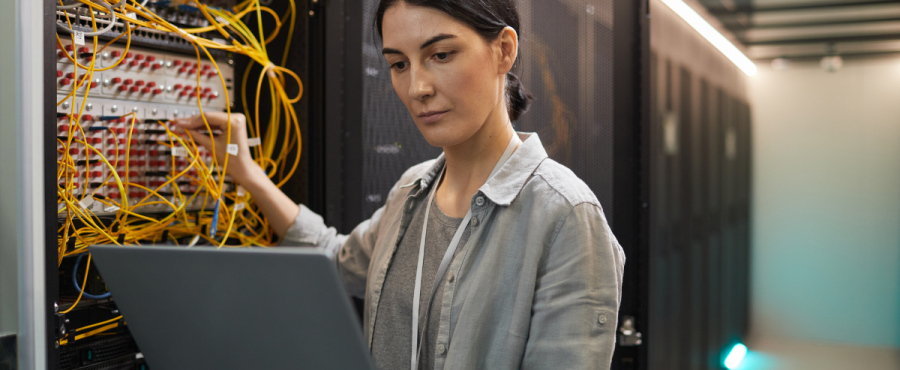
487 18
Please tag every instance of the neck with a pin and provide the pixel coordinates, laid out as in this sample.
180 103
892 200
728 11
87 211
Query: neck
470 163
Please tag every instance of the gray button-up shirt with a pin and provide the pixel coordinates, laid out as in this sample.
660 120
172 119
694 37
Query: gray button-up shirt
537 285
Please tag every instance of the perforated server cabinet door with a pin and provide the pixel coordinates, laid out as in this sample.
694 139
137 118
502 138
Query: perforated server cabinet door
584 62
699 218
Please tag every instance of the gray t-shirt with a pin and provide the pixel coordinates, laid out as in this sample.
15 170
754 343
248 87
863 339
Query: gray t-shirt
391 343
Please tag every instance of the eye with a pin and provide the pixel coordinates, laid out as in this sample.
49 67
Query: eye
398 66
443 56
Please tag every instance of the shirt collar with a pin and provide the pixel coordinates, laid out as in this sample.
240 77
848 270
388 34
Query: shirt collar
506 184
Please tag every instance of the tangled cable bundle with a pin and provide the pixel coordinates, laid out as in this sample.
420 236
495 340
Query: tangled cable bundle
226 213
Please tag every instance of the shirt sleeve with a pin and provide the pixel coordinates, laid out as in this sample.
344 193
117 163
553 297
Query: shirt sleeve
351 252
577 295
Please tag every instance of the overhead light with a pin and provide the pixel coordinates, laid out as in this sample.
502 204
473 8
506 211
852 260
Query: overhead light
735 356
832 63
780 64
712 35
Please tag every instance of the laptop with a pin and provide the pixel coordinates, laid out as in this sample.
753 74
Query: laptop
206 308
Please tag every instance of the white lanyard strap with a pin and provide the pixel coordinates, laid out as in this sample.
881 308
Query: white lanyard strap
448 255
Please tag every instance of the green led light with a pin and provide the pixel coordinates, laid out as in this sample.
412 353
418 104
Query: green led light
735 356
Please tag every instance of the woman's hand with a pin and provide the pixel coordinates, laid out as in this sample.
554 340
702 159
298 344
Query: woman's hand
277 207
241 167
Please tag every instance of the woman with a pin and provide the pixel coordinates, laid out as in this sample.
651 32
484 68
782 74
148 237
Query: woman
492 256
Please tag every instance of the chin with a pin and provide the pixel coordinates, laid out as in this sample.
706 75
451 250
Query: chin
446 133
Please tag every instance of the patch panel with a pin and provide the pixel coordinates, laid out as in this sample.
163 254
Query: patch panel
137 152
151 87
147 76
180 14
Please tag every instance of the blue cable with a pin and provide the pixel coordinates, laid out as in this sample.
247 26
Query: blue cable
75 280
215 220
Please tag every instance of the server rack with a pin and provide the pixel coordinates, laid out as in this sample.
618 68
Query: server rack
119 351
700 176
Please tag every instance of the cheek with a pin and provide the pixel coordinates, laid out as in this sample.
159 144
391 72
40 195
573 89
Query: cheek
471 86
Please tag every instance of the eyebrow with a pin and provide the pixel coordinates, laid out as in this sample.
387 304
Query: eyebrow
430 41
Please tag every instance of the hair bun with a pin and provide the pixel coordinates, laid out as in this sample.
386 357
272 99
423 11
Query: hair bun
518 99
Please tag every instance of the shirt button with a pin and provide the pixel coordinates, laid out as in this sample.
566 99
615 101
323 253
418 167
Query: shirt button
441 349
479 201
451 277
474 221
601 319
411 205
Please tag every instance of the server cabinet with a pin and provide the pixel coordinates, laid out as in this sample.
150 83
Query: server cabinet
699 217
116 349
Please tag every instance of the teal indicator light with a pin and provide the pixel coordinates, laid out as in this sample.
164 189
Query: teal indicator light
735 356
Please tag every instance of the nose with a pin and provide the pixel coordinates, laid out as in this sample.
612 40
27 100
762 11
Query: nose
421 86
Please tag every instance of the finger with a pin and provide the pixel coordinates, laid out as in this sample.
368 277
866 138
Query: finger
201 139
183 122
196 122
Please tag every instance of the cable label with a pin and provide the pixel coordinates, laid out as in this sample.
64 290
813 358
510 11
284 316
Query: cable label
241 191
179 151
239 206
79 38
111 209
86 202
232 149
253 141
186 35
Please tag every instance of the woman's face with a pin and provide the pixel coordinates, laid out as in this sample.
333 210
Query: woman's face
450 79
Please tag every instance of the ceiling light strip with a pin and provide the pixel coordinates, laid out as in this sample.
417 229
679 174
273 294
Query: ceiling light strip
712 35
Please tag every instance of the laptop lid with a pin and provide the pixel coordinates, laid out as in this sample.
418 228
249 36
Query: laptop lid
205 308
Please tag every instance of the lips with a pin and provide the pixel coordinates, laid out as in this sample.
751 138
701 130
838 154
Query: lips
432 116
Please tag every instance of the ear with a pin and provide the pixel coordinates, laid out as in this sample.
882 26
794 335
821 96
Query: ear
508 45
